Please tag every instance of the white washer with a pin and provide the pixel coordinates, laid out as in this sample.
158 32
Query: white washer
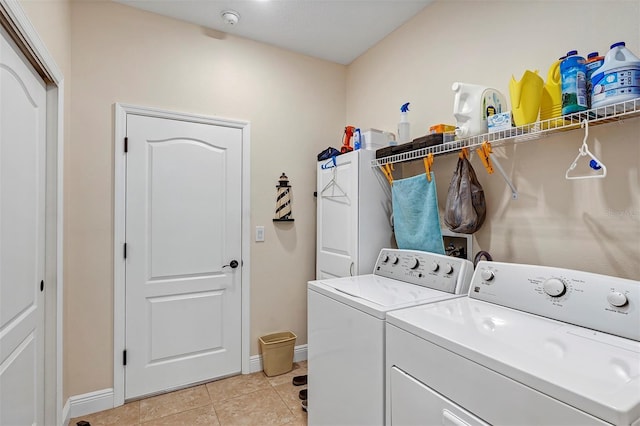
531 345
346 330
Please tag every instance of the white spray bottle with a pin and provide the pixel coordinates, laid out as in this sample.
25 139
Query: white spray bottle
404 130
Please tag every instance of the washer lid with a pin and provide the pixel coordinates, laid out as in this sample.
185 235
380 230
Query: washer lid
376 294
595 372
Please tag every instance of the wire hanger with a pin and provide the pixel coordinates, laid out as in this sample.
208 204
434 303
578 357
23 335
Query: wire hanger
329 164
594 163
333 183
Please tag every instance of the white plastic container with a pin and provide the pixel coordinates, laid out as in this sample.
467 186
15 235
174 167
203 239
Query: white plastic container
373 139
618 79
472 105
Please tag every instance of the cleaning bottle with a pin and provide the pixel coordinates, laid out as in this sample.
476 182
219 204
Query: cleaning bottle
404 130
618 79
357 139
594 61
574 83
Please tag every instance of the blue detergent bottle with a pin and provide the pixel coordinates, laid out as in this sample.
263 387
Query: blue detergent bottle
573 71
357 139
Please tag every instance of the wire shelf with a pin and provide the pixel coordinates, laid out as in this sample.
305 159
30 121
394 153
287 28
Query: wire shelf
537 130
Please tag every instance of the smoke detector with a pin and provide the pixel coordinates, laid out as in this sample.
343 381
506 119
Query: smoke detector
230 17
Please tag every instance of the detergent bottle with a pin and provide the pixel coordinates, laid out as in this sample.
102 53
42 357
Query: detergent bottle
472 104
573 72
618 79
404 129
594 61
551 98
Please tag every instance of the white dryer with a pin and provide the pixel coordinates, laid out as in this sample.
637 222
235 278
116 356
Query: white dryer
531 345
346 330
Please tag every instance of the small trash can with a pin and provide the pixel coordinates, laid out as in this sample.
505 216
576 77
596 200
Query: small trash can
277 352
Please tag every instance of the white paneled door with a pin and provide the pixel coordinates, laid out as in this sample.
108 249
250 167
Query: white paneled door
337 217
183 234
22 218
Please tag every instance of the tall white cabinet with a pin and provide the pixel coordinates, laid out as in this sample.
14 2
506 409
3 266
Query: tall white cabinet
354 205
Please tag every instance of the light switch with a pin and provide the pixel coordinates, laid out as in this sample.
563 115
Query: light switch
259 233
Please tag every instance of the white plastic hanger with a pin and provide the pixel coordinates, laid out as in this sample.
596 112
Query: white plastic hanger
333 183
594 163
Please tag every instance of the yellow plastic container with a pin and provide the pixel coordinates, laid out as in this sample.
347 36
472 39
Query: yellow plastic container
277 352
525 97
551 100
442 128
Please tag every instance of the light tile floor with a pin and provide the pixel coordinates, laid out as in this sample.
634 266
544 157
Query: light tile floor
252 399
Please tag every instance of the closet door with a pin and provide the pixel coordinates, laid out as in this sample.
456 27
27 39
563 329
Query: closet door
22 213
337 217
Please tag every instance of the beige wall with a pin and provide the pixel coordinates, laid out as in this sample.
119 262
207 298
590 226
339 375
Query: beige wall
592 225
295 105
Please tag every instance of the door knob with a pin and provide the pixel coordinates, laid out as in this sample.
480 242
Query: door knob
233 264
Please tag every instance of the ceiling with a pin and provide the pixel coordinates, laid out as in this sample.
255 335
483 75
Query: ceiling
335 30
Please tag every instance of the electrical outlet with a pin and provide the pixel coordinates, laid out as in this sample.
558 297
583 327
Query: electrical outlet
259 233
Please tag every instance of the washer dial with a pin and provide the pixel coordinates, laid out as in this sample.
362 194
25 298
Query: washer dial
617 299
487 275
554 287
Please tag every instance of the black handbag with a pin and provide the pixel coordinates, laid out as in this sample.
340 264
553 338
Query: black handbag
466 208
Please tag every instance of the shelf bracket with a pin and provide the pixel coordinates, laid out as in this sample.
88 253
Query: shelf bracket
514 191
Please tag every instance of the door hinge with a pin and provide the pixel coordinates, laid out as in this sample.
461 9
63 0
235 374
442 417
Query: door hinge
41 285
125 250
126 144
124 357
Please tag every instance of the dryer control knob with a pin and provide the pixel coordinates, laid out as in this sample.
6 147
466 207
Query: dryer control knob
385 258
617 299
414 263
554 287
487 275
435 266
395 260
448 269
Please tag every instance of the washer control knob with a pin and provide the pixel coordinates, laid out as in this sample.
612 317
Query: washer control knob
448 269
414 263
487 275
395 260
435 266
617 299
554 287
385 258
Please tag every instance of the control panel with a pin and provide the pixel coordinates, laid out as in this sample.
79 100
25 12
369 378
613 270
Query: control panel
599 302
436 271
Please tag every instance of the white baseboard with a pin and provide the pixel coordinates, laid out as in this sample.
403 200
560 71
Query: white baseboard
92 402
299 354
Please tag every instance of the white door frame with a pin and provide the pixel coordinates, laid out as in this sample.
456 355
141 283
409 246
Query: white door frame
16 22
121 111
